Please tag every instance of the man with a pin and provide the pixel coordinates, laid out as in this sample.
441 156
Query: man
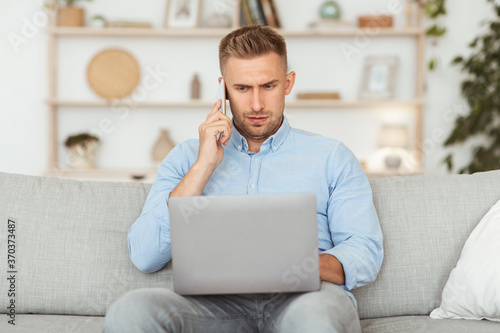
257 152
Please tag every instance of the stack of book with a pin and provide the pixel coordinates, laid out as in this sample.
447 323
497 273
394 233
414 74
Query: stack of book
259 12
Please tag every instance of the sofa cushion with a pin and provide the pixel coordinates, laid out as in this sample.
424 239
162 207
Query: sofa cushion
425 221
71 247
473 289
421 324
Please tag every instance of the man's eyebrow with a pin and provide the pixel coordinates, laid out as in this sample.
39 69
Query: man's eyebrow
264 84
270 82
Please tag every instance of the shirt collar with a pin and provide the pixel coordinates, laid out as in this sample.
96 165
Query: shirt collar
273 143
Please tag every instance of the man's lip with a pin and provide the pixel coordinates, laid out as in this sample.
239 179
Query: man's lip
257 119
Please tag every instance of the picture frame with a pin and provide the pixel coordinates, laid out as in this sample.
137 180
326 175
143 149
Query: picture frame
182 14
379 77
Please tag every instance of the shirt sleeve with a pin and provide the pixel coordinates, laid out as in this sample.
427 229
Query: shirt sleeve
149 237
353 222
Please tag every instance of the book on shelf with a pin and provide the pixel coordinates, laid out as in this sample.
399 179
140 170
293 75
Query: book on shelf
245 15
256 12
259 12
270 13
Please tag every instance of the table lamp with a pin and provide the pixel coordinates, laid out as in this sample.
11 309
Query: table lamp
396 141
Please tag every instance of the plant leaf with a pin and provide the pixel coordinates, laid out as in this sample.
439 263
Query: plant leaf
448 160
457 60
432 64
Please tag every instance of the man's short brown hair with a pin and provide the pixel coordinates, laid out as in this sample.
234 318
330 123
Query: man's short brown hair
252 41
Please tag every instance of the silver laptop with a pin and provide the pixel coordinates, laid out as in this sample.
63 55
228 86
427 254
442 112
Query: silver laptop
264 243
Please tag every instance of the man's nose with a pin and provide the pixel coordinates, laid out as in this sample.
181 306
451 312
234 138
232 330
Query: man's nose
256 103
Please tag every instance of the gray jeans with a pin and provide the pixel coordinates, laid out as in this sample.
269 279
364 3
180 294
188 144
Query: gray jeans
161 310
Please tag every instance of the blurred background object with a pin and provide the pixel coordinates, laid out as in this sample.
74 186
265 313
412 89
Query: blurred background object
396 142
82 148
162 147
68 15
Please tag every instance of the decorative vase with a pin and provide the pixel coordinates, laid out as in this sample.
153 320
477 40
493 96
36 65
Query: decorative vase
195 87
70 17
83 154
393 161
330 10
162 147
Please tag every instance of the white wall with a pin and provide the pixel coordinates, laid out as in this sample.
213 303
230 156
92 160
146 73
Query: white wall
318 62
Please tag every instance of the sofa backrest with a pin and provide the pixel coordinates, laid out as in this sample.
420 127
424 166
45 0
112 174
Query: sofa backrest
71 248
425 221
71 254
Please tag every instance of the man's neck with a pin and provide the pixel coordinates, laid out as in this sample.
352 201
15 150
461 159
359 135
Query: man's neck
254 147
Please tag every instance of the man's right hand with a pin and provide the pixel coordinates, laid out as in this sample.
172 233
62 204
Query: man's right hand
211 152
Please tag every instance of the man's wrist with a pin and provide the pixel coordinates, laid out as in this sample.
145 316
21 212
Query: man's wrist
331 269
193 182
202 170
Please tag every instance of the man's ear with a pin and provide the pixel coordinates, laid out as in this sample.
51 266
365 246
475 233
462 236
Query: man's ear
290 81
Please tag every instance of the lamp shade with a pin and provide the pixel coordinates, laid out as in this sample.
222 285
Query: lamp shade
394 136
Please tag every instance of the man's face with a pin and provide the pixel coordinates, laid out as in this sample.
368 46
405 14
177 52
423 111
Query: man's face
256 91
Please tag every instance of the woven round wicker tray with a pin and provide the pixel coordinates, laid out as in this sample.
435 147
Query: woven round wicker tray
113 73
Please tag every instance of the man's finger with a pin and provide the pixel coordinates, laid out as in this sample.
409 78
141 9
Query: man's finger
215 108
218 116
220 126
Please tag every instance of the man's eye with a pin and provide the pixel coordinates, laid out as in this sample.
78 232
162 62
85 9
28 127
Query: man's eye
242 88
269 86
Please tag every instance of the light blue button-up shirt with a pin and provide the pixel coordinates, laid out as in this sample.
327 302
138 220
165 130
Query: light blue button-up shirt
290 161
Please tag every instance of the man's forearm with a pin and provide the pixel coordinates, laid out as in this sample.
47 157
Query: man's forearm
330 269
193 182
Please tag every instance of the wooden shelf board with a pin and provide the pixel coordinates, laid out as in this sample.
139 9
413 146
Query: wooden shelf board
350 32
395 173
218 32
351 104
137 32
105 103
103 174
124 175
208 104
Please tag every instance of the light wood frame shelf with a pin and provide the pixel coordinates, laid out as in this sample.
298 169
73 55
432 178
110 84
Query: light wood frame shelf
208 32
199 104
54 103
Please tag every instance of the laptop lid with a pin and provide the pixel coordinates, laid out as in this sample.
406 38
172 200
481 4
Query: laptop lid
244 244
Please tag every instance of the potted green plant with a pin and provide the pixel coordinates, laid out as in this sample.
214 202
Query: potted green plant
82 149
480 89
68 15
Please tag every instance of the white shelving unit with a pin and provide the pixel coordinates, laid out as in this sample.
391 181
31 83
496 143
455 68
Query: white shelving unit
54 103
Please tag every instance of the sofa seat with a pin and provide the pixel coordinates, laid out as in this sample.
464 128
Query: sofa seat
42 323
408 324
425 324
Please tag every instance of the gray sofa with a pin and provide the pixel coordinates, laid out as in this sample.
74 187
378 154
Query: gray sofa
71 256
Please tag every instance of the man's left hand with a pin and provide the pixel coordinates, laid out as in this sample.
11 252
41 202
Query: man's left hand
330 269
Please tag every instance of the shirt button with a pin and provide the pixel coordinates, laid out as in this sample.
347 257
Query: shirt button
252 186
239 147
255 159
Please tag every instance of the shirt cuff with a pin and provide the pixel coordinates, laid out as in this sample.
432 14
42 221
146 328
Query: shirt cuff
348 265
